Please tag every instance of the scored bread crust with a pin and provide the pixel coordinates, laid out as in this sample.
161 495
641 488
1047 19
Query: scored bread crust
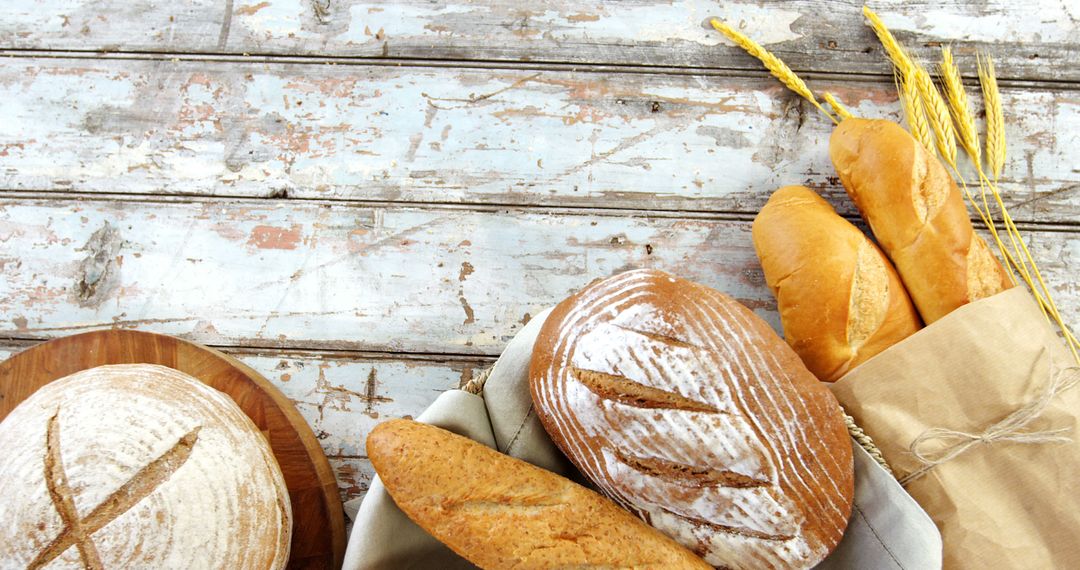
499 512
686 408
840 300
156 468
917 215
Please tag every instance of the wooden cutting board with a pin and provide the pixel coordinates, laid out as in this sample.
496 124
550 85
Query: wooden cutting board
318 522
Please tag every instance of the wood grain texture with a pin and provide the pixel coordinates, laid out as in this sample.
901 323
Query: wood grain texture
343 395
318 538
434 279
450 135
809 35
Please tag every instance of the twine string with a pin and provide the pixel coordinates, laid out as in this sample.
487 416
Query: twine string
936 446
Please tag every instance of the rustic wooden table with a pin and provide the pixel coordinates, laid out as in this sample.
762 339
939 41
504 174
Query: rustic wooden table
365 200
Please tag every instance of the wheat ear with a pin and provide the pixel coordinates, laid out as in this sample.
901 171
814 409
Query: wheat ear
913 110
938 114
892 47
777 68
837 106
995 118
964 120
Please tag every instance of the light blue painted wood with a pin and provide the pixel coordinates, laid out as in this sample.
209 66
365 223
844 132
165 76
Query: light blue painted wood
453 135
308 275
1034 40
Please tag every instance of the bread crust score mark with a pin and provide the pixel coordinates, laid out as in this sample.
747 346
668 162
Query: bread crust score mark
868 299
733 530
78 531
689 475
626 391
61 495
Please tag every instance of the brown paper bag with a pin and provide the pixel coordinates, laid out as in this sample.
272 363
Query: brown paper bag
1008 503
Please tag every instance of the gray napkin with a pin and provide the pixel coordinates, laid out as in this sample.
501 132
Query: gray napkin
887 530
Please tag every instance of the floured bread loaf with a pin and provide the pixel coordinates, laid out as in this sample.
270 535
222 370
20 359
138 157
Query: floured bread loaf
138 466
683 406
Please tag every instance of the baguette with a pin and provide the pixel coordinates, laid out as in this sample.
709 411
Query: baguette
917 215
840 300
686 408
500 512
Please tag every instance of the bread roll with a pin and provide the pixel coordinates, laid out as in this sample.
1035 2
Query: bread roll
500 512
687 409
840 299
917 215
138 466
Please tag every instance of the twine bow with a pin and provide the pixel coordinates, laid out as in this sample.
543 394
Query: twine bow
952 443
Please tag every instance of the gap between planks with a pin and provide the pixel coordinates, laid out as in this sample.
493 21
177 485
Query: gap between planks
566 210
531 65
15 344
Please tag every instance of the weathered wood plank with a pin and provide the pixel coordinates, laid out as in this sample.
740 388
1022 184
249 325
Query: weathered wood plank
343 396
1029 40
635 141
435 280
314 275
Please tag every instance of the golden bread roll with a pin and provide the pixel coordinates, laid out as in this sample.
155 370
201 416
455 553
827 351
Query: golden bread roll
839 298
686 408
917 215
500 512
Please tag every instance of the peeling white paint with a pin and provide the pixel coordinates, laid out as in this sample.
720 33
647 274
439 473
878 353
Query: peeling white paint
395 20
679 21
272 18
1042 22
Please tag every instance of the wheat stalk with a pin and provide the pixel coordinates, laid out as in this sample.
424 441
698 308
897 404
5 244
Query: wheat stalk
995 118
892 47
958 106
913 110
837 106
777 68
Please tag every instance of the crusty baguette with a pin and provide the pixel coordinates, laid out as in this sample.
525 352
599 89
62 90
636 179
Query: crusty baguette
500 512
917 215
682 405
840 299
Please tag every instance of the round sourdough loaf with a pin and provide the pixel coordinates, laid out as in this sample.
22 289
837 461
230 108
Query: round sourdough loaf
138 466
683 406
